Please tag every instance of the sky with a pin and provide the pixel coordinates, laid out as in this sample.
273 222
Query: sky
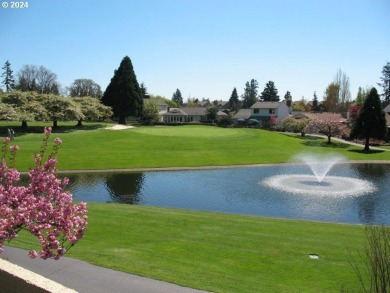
204 48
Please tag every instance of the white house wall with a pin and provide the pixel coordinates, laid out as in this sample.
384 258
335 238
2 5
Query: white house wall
283 112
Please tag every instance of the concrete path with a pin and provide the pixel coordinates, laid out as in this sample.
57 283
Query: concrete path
84 277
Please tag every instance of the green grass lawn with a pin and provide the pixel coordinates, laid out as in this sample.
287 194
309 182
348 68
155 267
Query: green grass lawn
209 251
220 252
94 147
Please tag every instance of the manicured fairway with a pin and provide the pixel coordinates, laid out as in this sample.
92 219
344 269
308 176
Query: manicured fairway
209 251
179 146
220 252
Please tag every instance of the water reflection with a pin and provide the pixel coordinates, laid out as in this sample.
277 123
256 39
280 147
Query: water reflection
239 190
372 171
125 187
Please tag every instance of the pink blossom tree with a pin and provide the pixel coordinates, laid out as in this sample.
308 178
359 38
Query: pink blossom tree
328 125
43 207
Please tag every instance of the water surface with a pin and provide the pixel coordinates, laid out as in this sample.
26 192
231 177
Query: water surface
240 191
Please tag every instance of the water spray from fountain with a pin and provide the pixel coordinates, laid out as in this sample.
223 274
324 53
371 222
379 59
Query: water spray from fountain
320 165
319 182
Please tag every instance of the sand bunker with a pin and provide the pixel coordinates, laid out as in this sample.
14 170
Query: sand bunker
119 127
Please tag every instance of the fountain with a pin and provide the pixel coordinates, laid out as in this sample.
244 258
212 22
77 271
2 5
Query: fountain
319 182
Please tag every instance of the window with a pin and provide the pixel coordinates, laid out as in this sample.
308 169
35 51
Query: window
255 111
272 111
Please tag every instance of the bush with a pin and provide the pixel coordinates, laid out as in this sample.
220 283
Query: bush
294 125
377 260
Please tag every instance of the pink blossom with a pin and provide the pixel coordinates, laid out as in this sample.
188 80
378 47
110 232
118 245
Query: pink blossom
47 130
51 163
43 207
6 139
32 254
58 141
14 148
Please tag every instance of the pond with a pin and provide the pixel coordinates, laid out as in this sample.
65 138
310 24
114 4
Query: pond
243 191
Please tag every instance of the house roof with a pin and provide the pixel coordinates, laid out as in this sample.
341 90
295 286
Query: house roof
191 111
194 111
175 112
320 116
220 113
266 105
243 114
387 109
299 116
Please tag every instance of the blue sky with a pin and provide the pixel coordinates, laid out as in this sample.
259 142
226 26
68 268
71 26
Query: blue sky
203 47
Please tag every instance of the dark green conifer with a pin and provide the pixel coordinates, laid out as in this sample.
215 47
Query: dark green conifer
270 93
371 122
123 93
234 101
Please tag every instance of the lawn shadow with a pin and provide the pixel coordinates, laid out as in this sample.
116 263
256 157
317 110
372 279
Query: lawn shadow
324 144
20 131
299 136
369 152
316 141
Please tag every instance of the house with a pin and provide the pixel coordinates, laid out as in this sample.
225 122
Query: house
188 115
242 116
262 111
162 106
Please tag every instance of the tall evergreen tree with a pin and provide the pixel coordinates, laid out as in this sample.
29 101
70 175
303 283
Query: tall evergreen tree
386 83
177 98
233 101
143 89
371 121
250 94
123 93
288 98
315 102
270 93
9 80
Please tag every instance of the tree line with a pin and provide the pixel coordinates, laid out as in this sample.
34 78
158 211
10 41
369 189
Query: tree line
41 80
336 99
124 95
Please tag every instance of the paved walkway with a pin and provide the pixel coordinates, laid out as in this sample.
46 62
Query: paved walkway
86 278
